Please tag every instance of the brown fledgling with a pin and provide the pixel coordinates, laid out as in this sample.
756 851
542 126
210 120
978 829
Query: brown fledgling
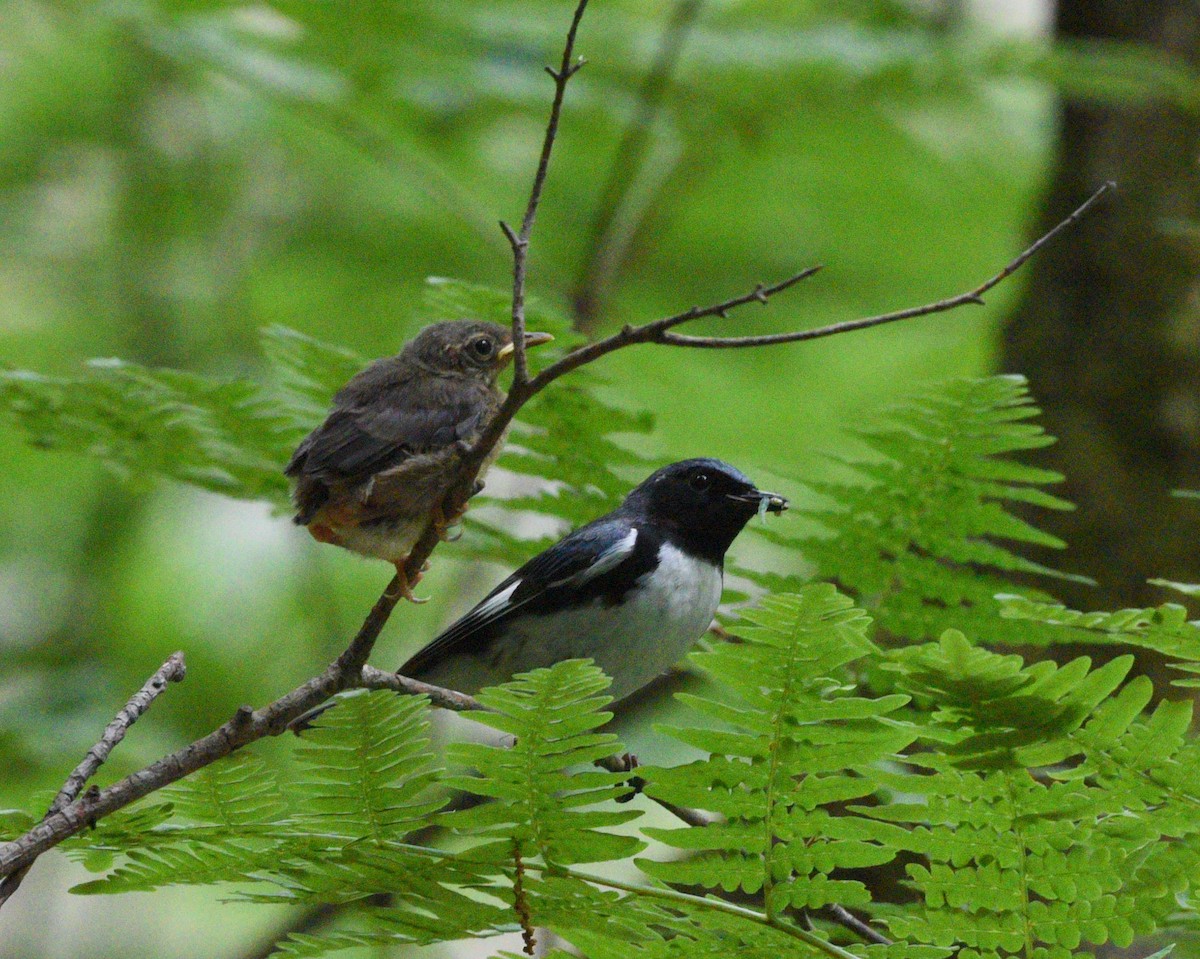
373 476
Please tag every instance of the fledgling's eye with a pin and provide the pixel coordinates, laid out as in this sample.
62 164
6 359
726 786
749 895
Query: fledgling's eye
700 482
483 347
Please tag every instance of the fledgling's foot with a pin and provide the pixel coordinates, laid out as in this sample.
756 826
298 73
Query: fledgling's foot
402 586
442 524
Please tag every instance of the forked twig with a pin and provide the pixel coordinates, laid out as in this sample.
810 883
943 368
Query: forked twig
172 671
519 241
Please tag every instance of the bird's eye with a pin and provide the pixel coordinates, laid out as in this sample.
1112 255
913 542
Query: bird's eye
700 482
483 347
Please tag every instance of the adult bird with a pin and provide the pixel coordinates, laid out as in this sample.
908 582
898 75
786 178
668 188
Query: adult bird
632 591
373 475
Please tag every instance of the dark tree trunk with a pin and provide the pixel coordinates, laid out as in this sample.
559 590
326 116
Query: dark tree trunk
1109 330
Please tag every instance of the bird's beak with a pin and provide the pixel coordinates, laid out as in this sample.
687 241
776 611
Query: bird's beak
531 339
764 502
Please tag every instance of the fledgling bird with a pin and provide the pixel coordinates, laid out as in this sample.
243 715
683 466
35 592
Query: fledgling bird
632 591
373 475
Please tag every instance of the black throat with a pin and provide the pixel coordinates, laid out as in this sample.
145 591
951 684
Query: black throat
708 542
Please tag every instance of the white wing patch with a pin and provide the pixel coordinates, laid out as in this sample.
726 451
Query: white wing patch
611 558
496 605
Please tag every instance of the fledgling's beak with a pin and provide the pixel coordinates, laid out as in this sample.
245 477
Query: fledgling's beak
531 339
764 502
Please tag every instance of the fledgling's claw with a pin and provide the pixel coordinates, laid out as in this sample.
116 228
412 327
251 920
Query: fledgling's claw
443 523
402 586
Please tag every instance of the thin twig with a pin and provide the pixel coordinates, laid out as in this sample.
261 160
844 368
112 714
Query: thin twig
373 678
843 917
519 241
172 671
654 331
972 297
605 248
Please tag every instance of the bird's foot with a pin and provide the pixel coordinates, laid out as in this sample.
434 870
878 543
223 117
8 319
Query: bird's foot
402 586
628 763
443 524
324 534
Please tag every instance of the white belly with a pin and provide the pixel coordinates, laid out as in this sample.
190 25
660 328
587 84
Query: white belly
634 642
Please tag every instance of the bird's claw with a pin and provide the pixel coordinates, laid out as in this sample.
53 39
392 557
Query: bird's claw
442 525
401 586
628 763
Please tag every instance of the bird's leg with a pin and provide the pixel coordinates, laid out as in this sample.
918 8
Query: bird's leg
403 586
442 524
628 763
324 534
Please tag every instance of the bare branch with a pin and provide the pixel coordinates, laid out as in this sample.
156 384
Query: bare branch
974 297
520 241
843 917
373 678
654 331
172 671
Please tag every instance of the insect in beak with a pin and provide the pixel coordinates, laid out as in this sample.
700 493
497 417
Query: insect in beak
766 502
531 339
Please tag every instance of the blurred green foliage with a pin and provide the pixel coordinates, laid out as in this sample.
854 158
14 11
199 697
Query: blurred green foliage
176 176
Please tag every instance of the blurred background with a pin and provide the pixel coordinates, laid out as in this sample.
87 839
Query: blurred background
176 175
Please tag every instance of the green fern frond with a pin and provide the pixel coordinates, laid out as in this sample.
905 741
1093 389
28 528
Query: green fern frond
992 711
444 298
794 740
218 825
234 436
428 910
554 714
366 769
1164 629
215 434
919 536
1049 802
306 373
236 796
195 862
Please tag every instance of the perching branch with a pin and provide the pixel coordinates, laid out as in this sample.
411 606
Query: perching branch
349 670
172 671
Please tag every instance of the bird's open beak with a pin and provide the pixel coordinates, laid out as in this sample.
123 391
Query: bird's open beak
764 502
531 339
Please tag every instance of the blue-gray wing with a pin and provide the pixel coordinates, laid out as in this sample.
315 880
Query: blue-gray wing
600 561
